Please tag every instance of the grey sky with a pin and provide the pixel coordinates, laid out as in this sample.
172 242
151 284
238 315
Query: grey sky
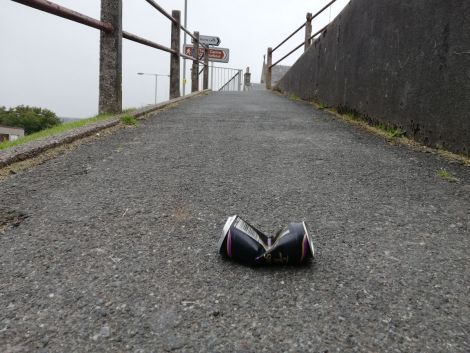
51 62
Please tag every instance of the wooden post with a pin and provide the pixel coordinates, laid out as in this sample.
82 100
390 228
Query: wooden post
110 81
195 70
269 68
205 81
308 31
175 58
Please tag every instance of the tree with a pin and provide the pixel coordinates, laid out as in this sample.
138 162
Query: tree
31 119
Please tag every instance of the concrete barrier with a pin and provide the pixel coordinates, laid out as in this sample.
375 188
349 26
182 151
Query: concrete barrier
404 64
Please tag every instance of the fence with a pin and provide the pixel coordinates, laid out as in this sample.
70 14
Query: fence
112 33
226 79
309 37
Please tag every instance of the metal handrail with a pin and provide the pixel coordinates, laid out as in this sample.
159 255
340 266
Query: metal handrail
67 13
187 56
161 10
324 8
172 19
147 42
319 32
225 68
289 37
309 19
194 37
111 99
64 12
298 47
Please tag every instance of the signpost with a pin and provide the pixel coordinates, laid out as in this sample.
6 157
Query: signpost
209 40
221 55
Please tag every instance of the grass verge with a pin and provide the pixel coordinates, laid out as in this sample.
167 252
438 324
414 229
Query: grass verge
54 130
393 134
384 130
128 120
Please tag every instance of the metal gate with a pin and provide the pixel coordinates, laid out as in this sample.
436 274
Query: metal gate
226 79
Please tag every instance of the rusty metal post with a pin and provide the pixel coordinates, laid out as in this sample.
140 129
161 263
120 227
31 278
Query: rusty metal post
308 31
205 84
110 86
269 69
195 70
175 58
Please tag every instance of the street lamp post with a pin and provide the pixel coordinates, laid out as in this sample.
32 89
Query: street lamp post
184 61
156 81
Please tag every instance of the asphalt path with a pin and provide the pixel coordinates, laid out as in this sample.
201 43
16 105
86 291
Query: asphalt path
112 247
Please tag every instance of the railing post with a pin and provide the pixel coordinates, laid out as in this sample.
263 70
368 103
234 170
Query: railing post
205 84
195 70
269 69
175 58
247 84
212 76
308 31
110 81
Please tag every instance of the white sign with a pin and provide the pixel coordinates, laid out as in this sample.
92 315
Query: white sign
209 40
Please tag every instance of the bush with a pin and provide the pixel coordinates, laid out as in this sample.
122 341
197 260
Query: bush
31 119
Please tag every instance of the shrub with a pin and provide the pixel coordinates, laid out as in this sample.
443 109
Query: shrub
31 119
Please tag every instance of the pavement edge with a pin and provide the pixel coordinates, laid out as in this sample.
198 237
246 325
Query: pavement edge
34 148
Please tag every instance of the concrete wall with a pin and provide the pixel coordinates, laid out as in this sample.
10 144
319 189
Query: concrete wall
401 62
277 73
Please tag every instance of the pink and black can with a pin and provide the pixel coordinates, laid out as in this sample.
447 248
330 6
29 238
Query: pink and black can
243 243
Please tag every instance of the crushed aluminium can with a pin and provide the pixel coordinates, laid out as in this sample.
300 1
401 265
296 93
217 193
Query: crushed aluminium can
244 243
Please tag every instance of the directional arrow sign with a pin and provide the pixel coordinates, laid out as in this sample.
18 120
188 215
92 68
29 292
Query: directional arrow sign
221 55
209 40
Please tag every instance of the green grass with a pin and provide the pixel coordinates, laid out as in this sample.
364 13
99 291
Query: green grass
351 116
54 130
322 106
446 175
128 120
391 131
387 130
294 97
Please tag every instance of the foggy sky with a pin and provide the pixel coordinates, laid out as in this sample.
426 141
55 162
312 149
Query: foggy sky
53 63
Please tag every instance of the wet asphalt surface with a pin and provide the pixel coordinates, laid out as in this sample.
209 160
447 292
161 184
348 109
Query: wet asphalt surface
115 246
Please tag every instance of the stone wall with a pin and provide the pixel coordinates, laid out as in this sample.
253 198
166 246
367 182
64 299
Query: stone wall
402 63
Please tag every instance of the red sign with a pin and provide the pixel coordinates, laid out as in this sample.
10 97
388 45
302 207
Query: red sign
221 55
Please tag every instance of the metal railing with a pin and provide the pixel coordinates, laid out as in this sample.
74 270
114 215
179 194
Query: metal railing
309 37
112 33
226 79
233 84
